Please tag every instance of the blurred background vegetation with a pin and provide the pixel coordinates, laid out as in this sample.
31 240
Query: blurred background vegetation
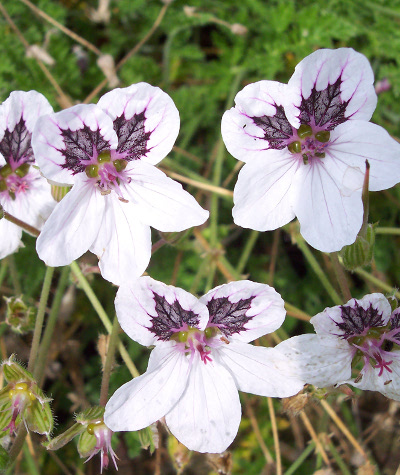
202 52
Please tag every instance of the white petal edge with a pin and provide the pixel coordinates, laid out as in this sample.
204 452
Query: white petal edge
207 416
10 238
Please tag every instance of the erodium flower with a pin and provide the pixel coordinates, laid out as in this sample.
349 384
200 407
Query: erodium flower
200 360
108 152
23 192
363 334
305 144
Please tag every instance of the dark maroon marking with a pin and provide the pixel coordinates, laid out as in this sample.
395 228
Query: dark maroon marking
395 322
80 146
229 317
326 107
132 138
170 317
356 319
277 129
16 144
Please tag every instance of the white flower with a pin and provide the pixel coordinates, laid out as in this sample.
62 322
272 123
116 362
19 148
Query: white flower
362 331
305 145
23 192
108 152
200 360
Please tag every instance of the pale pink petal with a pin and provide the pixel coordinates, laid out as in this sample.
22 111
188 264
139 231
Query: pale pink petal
260 370
330 216
206 418
149 311
258 122
123 244
149 397
145 120
336 84
356 141
66 142
161 202
321 361
265 192
10 238
244 310
72 227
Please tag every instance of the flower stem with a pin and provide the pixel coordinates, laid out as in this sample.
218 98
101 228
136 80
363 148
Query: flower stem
340 276
40 317
112 344
247 251
25 226
379 283
276 436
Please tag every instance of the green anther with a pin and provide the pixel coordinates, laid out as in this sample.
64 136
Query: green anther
182 336
104 156
92 171
375 333
22 170
92 426
208 332
323 136
120 164
3 186
319 154
294 147
304 131
6 171
305 158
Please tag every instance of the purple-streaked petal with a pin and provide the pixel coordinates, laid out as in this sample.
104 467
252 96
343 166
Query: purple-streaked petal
330 214
321 361
330 321
244 310
147 398
18 115
123 244
206 418
10 238
258 122
66 142
259 370
145 120
265 191
357 141
72 227
150 311
160 201
333 86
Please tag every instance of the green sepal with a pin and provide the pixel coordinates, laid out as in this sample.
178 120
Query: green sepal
361 252
86 443
19 316
39 418
146 438
92 414
14 372
65 437
5 417
58 192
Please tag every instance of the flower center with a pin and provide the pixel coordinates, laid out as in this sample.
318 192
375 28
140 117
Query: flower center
108 174
14 181
310 145
21 396
192 340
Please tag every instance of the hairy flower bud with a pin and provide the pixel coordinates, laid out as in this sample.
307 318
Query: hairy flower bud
361 252
19 316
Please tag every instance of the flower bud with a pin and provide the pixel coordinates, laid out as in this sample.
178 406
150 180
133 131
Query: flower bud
361 252
19 316
58 192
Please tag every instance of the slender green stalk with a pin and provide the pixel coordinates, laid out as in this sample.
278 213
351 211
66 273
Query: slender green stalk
40 317
302 457
50 325
14 275
339 460
340 276
112 344
250 243
102 314
379 283
3 270
31 462
17 445
318 270
395 231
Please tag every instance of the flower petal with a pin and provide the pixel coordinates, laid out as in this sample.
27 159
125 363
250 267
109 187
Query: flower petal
321 361
72 227
260 370
66 142
206 418
357 141
149 310
123 244
330 215
145 120
258 122
265 191
18 115
333 86
149 397
10 238
245 310
161 202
